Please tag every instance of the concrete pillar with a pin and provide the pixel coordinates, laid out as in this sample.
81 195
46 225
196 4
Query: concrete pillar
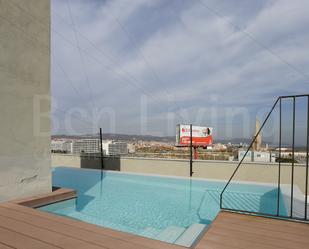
24 98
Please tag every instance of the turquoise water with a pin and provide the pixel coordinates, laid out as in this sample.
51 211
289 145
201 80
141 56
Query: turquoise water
150 205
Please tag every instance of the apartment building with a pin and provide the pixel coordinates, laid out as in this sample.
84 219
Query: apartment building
85 146
112 148
61 146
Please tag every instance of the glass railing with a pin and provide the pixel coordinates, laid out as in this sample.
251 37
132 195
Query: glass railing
278 188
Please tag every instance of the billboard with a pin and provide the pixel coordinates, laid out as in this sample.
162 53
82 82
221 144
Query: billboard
201 136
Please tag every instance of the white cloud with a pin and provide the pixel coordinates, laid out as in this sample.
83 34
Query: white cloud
185 60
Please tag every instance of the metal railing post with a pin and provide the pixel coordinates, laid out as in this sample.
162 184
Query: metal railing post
307 161
191 159
101 150
293 158
280 145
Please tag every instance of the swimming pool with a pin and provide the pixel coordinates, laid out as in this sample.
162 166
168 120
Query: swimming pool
174 210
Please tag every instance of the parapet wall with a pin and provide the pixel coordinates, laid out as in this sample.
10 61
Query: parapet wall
256 172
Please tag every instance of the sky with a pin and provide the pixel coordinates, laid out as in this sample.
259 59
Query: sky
143 66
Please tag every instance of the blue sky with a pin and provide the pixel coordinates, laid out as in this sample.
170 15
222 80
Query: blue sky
146 65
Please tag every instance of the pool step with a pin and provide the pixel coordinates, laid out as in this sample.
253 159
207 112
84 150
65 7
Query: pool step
150 232
170 234
188 238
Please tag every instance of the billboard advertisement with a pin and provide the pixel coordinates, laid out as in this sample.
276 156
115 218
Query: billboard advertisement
201 136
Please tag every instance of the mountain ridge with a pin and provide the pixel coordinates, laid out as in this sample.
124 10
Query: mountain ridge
129 137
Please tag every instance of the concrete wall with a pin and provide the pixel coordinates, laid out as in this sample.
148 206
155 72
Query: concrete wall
24 98
249 171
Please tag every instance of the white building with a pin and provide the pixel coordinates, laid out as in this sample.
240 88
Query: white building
248 158
86 146
264 157
118 148
131 148
111 148
257 156
105 146
61 146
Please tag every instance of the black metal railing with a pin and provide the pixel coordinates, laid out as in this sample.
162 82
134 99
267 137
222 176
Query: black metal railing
277 213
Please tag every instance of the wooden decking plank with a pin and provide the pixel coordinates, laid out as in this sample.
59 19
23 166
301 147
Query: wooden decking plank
71 222
43 235
229 232
63 229
154 244
244 228
258 232
253 242
20 241
69 231
213 245
3 246
239 243
67 227
272 224
260 219
52 197
271 220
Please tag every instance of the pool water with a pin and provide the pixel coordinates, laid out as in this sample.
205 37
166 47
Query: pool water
161 208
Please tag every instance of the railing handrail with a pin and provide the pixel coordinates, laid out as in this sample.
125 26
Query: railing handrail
294 96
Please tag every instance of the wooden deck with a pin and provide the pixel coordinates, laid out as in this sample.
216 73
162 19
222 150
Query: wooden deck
233 230
27 228
41 200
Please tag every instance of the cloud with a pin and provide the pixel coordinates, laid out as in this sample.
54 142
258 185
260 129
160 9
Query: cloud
179 55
